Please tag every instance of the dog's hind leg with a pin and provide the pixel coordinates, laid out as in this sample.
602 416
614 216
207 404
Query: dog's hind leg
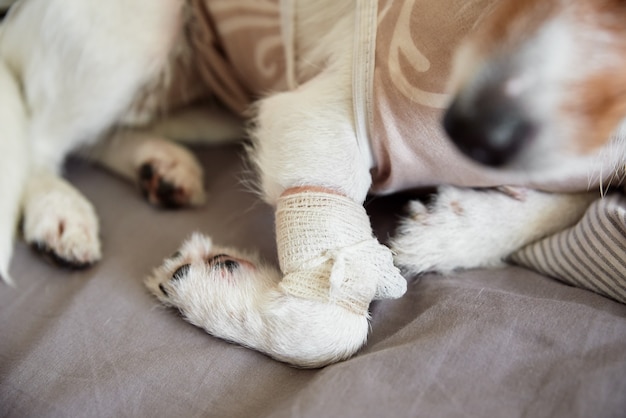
167 173
468 228
80 71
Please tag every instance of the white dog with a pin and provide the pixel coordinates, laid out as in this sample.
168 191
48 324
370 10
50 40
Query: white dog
337 118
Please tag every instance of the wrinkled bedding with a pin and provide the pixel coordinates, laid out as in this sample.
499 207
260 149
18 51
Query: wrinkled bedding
94 343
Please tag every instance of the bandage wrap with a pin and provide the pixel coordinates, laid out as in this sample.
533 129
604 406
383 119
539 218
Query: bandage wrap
328 253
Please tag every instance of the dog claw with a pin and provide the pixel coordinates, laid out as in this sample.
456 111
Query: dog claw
60 224
159 191
50 255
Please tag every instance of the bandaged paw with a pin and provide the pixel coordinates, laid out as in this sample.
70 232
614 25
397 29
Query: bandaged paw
327 252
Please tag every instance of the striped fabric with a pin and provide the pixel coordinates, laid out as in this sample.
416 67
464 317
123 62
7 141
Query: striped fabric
590 255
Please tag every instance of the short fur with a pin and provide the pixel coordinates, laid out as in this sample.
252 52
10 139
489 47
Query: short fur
82 82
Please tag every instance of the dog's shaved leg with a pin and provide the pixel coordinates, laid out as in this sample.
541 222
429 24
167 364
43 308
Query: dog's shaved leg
466 228
168 174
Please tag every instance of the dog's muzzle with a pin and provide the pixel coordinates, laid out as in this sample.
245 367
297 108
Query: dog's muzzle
491 129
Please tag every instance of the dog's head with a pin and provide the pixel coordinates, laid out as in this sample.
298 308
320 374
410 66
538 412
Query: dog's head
540 82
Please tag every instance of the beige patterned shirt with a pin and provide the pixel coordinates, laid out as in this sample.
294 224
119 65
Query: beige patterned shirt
402 60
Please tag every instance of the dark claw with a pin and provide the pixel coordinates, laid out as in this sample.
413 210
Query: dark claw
221 261
162 288
181 272
168 195
158 191
146 172
48 254
230 265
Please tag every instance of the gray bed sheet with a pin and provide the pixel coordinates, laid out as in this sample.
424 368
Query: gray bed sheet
94 343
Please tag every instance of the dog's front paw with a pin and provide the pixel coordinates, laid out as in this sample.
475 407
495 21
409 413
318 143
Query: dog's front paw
218 289
234 296
460 229
61 224
169 175
467 228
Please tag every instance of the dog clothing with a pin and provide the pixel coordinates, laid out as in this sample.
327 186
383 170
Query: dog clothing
402 59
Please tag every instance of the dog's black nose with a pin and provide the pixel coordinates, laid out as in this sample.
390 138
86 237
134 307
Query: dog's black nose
491 130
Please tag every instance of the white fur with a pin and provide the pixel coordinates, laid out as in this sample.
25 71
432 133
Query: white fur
465 228
81 79
129 151
291 147
314 144
14 150
247 307
62 60
58 219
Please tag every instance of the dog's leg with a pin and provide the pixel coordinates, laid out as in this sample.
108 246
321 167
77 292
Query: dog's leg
59 222
312 169
80 71
467 228
167 174
200 124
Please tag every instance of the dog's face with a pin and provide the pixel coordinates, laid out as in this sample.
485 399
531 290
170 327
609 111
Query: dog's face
540 83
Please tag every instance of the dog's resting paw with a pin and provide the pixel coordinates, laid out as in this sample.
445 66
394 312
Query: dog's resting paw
62 225
457 230
236 297
169 175
468 228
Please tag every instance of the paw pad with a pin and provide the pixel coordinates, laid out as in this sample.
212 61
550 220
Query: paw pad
181 272
158 191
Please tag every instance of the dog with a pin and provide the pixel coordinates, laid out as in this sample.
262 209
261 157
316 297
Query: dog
324 134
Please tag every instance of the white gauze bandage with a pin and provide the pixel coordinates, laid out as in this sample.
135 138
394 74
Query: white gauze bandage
327 252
